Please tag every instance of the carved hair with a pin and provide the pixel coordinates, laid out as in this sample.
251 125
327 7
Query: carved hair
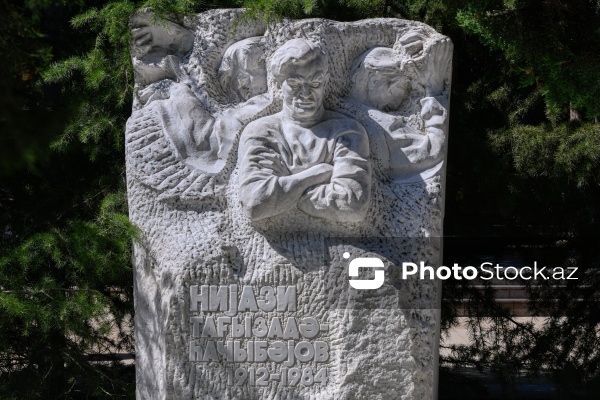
296 52
376 60
240 52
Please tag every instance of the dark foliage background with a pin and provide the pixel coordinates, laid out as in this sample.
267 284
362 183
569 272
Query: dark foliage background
524 160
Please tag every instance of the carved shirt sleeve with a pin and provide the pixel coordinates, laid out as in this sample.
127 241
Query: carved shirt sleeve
202 139
261 166
185 120
346 197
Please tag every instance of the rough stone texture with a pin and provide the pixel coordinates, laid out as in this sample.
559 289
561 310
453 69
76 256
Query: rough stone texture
387 81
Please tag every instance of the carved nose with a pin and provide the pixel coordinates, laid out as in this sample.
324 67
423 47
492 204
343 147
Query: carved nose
305 92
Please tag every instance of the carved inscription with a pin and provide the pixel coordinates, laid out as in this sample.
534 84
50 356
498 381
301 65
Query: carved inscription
223 334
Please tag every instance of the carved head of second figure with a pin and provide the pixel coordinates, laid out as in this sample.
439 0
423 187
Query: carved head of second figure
379 79
300 69
242 70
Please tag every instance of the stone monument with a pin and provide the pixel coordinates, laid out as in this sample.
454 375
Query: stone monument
268 168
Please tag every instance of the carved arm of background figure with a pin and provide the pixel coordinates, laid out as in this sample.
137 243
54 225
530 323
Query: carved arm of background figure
427 146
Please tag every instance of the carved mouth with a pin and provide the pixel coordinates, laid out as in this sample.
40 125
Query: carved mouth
304 104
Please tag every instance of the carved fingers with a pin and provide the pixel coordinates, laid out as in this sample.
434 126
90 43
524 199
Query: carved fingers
413 41
433 113
413 137
142 40
152 93
251 108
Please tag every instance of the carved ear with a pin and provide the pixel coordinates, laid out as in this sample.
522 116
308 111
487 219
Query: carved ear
224 81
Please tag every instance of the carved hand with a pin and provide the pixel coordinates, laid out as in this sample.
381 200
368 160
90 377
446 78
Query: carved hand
174 66
321 173
412 41
433 113
251 108
413 137
142 39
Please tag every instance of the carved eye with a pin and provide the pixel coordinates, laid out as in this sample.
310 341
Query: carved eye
293 84
315 84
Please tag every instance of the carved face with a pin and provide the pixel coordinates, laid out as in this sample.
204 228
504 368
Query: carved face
380 79
250 75
303 90
387 91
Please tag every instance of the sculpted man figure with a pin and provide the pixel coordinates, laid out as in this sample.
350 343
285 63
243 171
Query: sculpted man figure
304 156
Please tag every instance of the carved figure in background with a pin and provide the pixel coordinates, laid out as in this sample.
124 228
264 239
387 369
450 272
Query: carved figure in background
242 71
304 156
154 43
383 82
201 138
378 79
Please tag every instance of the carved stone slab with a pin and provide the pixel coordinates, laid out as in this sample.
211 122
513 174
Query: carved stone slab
265 164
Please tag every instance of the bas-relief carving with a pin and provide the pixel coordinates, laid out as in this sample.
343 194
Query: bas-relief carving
155 44
202 138
406 147
246 148
304 156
